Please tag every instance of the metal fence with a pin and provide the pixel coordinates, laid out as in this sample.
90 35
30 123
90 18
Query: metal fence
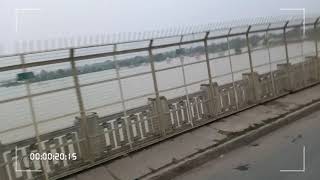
105 101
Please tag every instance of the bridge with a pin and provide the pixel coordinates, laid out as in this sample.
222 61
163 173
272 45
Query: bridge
66 110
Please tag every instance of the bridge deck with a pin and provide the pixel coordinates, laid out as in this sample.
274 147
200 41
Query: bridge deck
179 148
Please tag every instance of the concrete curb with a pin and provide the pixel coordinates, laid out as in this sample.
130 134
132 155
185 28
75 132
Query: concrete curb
210 153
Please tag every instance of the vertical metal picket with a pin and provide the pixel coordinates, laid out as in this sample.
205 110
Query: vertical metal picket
212 95
269 57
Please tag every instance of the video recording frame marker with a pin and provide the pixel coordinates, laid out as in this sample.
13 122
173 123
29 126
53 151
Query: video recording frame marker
303 16
303 165
19 170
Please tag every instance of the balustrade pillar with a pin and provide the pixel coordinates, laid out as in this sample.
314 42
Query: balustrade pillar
290 85
254 87
95 135
160 115
212 99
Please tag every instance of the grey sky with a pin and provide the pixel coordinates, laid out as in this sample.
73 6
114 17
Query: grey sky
58 18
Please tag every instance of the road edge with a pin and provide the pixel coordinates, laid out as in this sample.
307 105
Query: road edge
200 158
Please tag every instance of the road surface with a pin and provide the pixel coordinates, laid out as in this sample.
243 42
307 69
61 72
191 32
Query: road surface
264 158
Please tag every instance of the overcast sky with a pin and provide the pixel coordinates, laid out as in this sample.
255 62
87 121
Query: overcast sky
57 18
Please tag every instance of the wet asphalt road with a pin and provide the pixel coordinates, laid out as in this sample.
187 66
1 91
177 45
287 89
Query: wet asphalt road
264 158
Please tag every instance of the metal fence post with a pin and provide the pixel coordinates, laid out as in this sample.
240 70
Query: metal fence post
304 73
185 83
316 36
231 69
213 97
122 97
34 121
85 146
252 74
316 46
287 55
285 41
270 62
205 41
249 48
159 103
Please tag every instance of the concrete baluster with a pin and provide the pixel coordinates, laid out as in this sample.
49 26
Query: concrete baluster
146 124
121 133
109 133
134 129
